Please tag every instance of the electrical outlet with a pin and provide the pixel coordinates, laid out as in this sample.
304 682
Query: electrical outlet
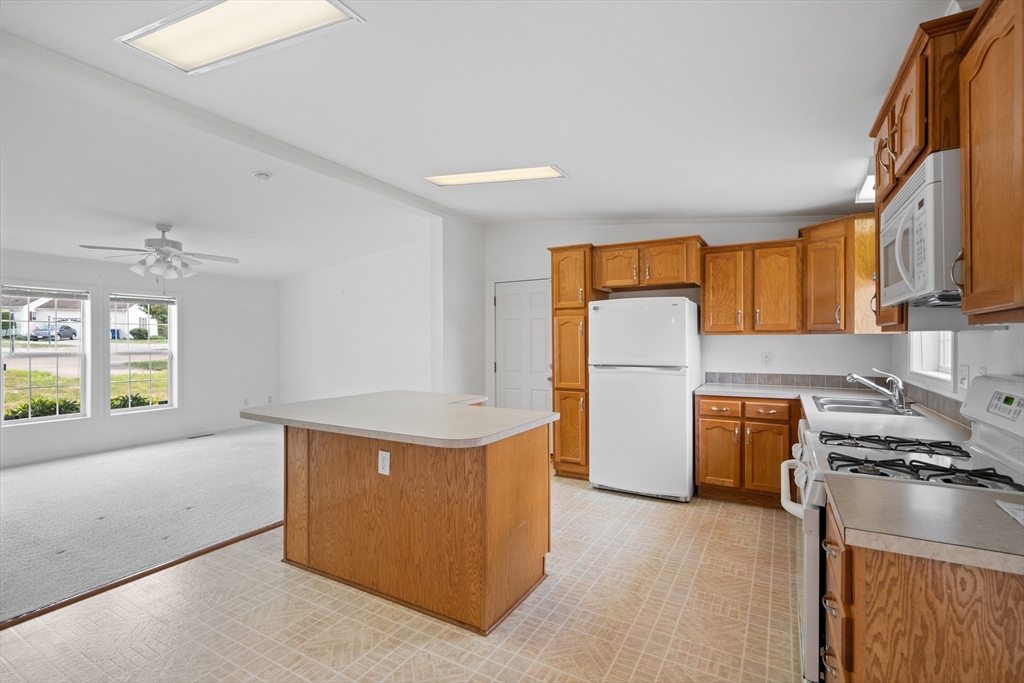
245 402
766 358
965 373
384 462
270 399
982 371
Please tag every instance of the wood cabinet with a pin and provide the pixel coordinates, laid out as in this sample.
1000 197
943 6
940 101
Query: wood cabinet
896 617
753 288
839 271
572 291
570 357
645 265
991 82
741 444
570 276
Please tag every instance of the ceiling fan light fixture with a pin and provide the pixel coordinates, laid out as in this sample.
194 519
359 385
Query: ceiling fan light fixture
140 267
158 268
500 176
187 270
211 34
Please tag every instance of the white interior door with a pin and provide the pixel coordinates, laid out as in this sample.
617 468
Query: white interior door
522 339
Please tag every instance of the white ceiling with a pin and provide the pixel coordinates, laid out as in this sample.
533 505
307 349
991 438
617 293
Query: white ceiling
655 109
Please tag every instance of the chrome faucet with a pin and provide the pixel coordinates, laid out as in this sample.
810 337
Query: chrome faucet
894 393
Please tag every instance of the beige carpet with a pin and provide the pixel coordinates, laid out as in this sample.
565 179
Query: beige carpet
71 525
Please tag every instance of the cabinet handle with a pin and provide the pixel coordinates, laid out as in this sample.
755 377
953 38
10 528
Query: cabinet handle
838 321
716 409
959 285
870 307
882 156
748 436
647 271
736 435
769 412
830 548
827 652
581 329
581 295
889 145
739 318
825 600
757 316
581 404
634 271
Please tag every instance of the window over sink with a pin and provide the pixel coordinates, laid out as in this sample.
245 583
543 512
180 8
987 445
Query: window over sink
932 359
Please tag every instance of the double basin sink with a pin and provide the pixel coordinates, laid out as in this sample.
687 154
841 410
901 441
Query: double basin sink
866 406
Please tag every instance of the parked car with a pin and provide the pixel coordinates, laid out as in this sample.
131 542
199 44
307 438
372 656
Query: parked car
50 333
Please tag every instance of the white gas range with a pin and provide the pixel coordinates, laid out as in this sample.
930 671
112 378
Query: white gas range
993 458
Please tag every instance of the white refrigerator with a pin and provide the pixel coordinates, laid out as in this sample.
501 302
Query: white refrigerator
644 365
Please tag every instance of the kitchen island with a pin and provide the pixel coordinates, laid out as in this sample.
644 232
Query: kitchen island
421 498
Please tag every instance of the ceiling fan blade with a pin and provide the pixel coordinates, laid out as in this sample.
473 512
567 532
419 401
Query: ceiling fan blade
211 257
131 255
190 261
93 246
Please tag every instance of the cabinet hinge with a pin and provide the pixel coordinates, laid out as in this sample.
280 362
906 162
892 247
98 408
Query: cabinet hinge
495 366
495 301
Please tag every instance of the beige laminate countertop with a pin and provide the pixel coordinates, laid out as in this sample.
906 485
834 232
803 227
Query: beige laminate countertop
419 417
945 523
930 425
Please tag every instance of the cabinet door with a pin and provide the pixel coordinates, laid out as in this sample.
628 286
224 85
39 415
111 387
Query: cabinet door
766 447
885 177
618 267
992 163
908 117
665 265
825 286
569 278
571 428
723 292
570 352
719 446
778 295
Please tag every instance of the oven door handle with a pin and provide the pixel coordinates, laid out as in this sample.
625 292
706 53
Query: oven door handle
792 508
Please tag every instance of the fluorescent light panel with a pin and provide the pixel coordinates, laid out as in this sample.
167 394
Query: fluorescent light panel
866 194
502 176
215 34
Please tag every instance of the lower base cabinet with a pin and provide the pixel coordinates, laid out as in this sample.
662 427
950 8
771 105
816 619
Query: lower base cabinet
571 434
895 617
739 458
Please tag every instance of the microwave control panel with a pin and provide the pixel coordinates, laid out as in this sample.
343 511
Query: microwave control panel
920 240
1007 405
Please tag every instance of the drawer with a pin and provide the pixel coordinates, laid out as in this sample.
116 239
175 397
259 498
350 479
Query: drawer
766 410
837 561
838 652
720 407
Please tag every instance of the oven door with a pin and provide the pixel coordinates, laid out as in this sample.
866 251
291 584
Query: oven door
897 255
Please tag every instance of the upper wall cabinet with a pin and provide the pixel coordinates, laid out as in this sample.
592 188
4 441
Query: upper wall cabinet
570 276
652 264
992 164
839 271
722 296
778 288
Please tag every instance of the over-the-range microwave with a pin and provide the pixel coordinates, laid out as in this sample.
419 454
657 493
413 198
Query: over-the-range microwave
919 239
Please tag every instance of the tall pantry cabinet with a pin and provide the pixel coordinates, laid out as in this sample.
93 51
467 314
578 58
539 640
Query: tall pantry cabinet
570 294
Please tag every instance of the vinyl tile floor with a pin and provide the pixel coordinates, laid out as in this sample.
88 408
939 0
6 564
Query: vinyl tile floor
637 590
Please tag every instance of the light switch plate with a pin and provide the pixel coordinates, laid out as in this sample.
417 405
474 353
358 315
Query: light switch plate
384 462
965 373
766 358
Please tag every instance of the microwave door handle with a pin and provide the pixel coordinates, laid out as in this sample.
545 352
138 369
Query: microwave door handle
905 225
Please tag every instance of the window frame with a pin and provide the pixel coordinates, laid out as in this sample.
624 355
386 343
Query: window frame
173 301
84 355
924 363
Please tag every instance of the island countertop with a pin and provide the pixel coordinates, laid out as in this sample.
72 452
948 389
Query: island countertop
416 417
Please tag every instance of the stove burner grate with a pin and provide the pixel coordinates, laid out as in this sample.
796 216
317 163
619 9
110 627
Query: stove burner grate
986 477
893 443
878 468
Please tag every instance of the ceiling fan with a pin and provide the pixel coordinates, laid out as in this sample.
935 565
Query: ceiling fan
164 257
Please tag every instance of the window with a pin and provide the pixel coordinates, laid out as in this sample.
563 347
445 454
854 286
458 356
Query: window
932 355
142 362
43 352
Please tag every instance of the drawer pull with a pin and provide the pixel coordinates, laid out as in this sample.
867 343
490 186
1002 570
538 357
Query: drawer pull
827 652
830 548
769 412
716 409
825 600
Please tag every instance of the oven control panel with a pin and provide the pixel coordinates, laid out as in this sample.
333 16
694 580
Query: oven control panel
1006 405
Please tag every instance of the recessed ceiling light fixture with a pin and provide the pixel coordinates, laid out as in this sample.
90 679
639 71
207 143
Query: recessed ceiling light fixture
211 34
502 176
866 193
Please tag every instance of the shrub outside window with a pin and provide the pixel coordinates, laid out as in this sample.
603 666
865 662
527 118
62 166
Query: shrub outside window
142 363
43 353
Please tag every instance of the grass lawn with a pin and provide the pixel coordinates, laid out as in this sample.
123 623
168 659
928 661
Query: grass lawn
44 384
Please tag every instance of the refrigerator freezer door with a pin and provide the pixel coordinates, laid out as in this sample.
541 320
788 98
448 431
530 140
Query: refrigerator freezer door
641 437
646 331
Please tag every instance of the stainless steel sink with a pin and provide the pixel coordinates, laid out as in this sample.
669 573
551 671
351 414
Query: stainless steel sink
866 406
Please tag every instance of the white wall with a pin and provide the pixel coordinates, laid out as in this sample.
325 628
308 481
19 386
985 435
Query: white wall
1000 352
228 349
464 307
359 326
519 252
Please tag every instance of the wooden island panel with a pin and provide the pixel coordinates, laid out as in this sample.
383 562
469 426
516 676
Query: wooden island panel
458 533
